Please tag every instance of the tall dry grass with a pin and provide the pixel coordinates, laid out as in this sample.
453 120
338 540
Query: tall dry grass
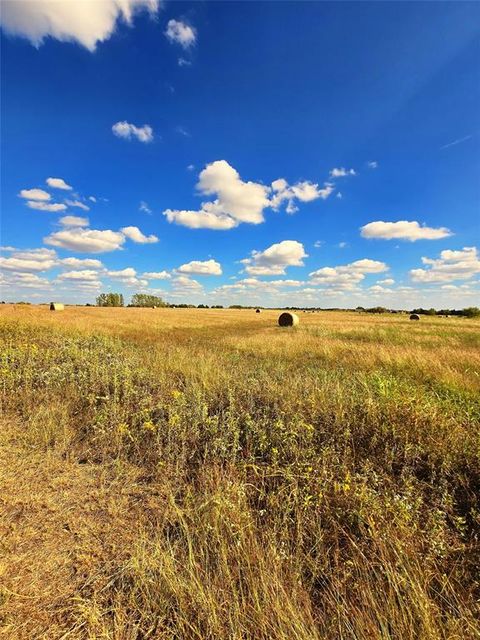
321 482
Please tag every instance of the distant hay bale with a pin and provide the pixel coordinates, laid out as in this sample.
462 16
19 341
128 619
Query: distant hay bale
414 316
288 319
258 311
56 306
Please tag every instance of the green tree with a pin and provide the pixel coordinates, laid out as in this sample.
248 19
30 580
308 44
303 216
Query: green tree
110 300
147 300
471 312
377 310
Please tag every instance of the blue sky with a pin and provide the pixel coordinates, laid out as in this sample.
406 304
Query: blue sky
271 153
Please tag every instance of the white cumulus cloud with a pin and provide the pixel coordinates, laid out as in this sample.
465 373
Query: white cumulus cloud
181 33
46 206
244 201
80 279
366 265
202 219
22 280
34 194
271 286
85 274
156 275
128 277
86 23
128 131
128 272
451 265
237 201
378 288
80 238
346 277
29 260
86 240
78 263
403 230
276 258
134 234
304 191
58 183
74 221
205 268
185 284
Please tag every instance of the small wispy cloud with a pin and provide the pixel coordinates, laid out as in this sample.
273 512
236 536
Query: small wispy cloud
455 142
341 172
144 207
77 203
182 131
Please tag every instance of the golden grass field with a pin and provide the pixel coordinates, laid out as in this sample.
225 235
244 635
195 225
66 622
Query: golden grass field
204 474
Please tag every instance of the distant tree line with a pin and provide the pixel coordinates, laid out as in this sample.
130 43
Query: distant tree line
138 300
183 305
148 300
145 300
241 306
110 300
469 312
376 310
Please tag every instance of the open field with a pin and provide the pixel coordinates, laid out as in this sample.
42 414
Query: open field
205 474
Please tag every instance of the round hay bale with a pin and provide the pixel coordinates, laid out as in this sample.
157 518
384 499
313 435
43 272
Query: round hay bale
258 311
414 316
288 319
56 306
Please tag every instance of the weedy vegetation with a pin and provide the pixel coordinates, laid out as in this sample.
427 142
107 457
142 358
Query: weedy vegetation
205 474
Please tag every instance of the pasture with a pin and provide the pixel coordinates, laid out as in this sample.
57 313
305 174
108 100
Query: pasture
205 474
